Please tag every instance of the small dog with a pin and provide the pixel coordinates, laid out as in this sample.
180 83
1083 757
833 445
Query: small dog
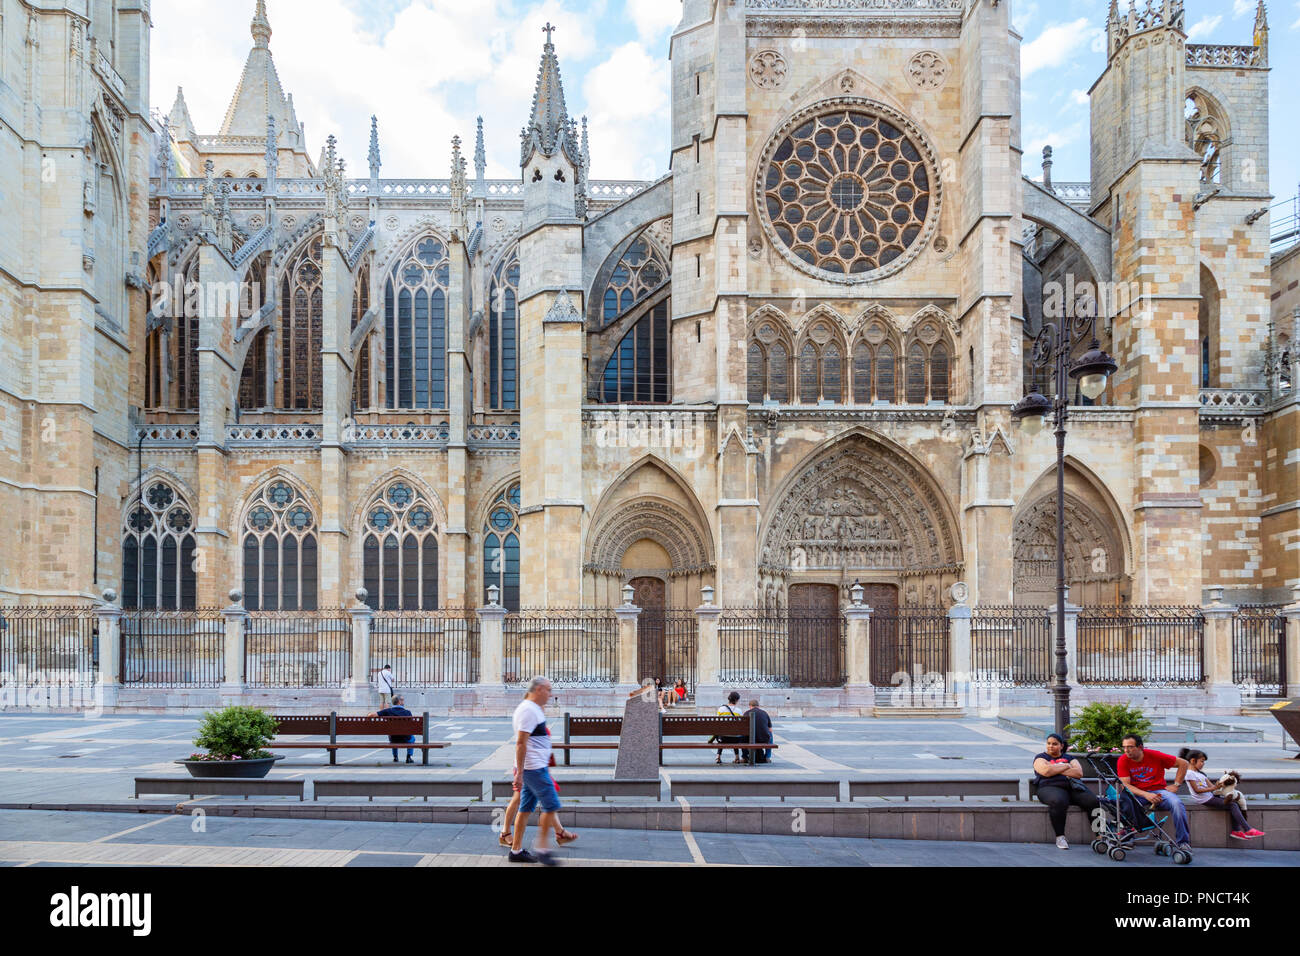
1226 787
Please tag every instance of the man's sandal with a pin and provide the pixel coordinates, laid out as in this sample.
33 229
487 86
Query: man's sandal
565 838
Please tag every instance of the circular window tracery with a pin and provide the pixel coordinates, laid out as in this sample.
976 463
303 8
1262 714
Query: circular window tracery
847 191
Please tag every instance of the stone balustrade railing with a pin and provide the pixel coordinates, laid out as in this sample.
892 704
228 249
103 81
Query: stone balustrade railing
237 435
1233 401
179 435
494 434
1207 54
397 435
598 190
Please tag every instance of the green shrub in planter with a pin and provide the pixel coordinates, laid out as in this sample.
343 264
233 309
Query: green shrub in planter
236 733
1104 726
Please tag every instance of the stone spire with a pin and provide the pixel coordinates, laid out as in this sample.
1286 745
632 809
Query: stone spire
374 147
458 190
179 119
259 92
549 129
209 216
1047 167
332 173
272 149
480 157
1261 32
261 26
225 225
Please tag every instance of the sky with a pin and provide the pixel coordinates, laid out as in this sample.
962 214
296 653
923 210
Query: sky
428 68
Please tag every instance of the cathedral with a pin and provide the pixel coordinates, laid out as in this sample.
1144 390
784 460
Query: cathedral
786 367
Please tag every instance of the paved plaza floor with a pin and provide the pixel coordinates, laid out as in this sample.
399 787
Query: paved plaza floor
52 838
71 759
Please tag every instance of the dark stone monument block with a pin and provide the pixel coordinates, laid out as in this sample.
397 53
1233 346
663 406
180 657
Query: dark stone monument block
638 745
1287 713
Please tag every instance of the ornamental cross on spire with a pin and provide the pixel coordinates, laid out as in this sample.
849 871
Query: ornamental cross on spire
548 30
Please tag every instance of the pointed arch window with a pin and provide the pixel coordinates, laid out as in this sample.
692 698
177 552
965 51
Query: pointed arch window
415 327
768 373
501 553
279 550
155 347
638 371
928 368
252 381
185 357
158 551
361 370
821 368
399 551
503 335
640 272
301 324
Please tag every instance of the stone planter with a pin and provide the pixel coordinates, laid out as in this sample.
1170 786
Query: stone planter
241 769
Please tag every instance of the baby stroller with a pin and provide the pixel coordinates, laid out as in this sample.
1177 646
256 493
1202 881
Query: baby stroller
1124 824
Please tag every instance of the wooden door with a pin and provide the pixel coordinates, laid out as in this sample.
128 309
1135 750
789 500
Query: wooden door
814 655
649 595
885 649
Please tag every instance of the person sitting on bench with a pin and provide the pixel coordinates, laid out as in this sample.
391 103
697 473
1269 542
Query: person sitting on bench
397 710
1058 777
729 710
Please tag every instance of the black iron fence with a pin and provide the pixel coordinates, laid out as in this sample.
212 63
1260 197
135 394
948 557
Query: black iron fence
426 649
298 648
1259 649
173 648
576 646
909 643
1145 646
1011 646
781 648
665 645
49 645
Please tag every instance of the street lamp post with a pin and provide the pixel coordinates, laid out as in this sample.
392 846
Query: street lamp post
1052 350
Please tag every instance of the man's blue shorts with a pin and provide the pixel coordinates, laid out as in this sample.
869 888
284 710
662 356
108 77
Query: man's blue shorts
539 788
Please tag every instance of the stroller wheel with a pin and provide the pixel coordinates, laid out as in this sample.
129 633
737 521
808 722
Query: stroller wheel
1117 853
1162 850
1182 857
1098 846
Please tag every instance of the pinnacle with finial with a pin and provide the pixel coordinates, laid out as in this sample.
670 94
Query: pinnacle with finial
374 146
480 152
261 26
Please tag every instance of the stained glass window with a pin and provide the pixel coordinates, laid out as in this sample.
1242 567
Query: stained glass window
280 556
158 552
399 551
415 327
501 553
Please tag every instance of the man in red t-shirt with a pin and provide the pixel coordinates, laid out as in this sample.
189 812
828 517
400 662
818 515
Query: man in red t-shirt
1142 772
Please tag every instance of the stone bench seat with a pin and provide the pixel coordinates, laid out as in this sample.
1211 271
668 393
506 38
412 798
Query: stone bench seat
396 787
221 786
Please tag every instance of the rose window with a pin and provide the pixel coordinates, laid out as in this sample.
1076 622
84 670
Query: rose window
848 194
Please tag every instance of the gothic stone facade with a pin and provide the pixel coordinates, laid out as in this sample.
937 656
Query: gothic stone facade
790 362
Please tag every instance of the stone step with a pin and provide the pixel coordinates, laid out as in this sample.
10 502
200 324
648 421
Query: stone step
914 713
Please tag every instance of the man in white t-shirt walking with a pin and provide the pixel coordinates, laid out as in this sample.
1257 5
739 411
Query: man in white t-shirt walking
385 682
532 760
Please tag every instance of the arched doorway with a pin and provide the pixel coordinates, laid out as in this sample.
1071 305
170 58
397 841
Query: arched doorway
816 653
1095 556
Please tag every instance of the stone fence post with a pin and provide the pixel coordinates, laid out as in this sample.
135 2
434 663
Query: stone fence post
858 616
362 617
491 642
960 658
1292 657
1218 650
109 616
236 617
708 652
627 663
1071 643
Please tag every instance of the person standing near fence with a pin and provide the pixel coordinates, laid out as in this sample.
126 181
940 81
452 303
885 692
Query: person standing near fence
385 682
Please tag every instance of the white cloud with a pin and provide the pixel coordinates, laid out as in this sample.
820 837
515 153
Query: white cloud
1056 139
427 77
1055 45
1242 7
1204 27
1079 98
653 18
627 95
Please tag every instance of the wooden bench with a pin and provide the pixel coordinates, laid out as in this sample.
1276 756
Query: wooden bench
729 787
587 787
221 786
670 725
334 726
959 787
397 787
